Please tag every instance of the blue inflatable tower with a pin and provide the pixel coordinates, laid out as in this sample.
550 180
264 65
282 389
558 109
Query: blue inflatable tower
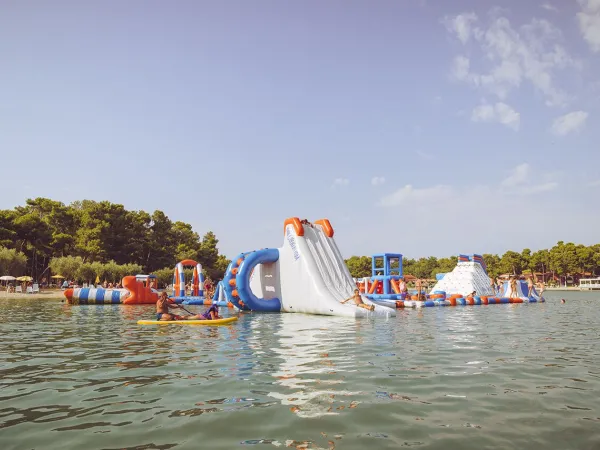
383 273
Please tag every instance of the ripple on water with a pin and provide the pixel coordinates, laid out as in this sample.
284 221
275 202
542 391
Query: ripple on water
492 376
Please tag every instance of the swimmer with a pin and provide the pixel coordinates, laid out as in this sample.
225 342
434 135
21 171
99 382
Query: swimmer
471 295
358 301
419 286
562 300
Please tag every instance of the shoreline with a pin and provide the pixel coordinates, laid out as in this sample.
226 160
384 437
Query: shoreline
44 295
562 288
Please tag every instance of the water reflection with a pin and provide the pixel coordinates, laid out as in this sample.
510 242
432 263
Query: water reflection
313 359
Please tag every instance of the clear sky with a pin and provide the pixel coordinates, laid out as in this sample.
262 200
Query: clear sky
426 127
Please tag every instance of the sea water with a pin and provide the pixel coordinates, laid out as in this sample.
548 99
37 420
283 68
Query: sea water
474 377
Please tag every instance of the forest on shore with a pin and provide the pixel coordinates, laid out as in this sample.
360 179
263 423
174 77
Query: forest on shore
86 240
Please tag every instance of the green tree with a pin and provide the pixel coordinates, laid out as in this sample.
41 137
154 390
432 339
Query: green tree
86 273
160 246
511 262
164 276
187 242
218 270
12 262
492 263
540 261
359 266
8 233
67 266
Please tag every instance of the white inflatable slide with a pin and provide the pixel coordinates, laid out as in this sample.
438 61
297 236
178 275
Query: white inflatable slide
306 275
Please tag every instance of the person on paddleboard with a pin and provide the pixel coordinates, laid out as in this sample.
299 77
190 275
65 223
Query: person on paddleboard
162 310
211 313
358 301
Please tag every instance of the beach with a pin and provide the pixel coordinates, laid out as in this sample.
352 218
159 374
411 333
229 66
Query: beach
50 294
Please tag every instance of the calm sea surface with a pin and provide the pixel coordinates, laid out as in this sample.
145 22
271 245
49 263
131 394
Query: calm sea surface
499 376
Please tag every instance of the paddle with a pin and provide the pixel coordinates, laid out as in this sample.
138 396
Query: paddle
189 312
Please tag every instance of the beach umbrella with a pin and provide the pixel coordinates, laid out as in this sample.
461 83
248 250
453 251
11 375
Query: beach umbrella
56 277
25 278
7 278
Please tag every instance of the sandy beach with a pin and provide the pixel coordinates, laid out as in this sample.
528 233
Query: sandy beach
50 294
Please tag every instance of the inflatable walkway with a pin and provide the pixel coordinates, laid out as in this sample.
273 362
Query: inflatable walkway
307 275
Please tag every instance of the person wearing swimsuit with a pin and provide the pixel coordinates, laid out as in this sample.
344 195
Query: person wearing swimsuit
162 310
358 301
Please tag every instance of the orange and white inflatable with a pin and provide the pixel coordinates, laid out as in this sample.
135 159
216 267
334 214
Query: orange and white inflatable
137 290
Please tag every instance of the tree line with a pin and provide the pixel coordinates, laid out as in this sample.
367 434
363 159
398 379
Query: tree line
562 260
99 238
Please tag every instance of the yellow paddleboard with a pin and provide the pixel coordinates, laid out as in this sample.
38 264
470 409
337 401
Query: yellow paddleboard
189 322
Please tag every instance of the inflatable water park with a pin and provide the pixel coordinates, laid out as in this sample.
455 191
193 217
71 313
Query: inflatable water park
308 274
451 289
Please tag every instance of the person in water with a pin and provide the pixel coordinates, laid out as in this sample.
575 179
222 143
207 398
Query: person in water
162 310
358 301
471 295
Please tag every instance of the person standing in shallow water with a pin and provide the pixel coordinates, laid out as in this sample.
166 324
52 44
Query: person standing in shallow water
418 286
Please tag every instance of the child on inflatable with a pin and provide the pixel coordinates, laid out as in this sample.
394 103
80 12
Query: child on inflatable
358 301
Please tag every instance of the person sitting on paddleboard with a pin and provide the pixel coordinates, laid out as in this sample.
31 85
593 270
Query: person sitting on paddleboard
211 313
162 310
358 301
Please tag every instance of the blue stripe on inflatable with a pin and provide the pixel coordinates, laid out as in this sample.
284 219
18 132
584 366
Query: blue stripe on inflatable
461 301
477 301
429 303
83 294
504 300
99 295
115 297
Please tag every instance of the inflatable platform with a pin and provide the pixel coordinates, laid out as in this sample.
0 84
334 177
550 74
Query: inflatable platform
306 275
137 290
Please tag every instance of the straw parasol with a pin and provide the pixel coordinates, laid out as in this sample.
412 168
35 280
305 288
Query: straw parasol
57 277
25 278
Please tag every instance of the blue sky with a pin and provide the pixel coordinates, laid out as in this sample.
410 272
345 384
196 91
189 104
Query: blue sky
425 127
